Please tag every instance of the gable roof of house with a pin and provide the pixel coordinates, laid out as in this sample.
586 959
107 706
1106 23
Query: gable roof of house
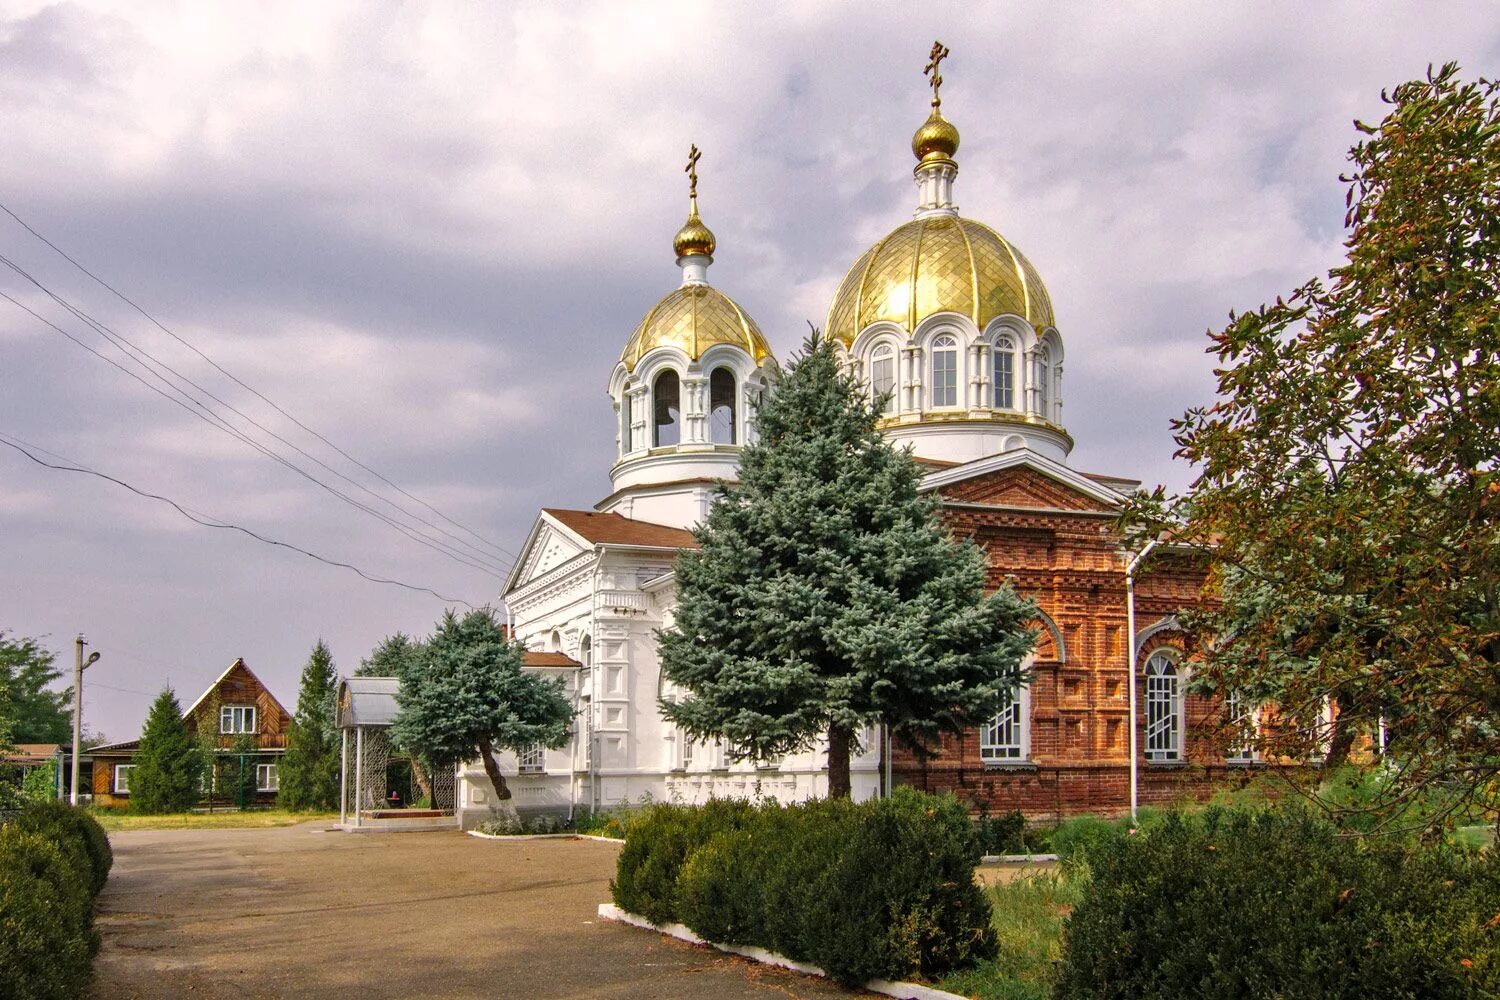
616 529
239 662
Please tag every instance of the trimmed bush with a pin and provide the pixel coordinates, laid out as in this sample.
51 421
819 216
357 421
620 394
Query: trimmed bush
1003 834
880 889
47 941
77 834
1276 903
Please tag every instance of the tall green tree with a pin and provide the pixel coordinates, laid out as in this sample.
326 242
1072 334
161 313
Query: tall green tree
40 714
308 774
1347 490
168 765
826 595
468 697
394 657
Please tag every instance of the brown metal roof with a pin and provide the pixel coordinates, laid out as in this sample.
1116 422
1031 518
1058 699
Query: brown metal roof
613 529
537 658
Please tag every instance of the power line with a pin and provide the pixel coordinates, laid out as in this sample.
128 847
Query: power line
214 420
15 443
159 325
154 366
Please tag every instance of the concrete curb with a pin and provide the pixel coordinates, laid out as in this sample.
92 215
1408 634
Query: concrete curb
996 859
904 991
542 836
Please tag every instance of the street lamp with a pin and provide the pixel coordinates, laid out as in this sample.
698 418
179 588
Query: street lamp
79 666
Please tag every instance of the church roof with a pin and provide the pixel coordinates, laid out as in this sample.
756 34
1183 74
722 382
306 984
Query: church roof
539 658
615 529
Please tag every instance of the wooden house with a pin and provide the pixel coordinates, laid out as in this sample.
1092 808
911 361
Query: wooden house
240 717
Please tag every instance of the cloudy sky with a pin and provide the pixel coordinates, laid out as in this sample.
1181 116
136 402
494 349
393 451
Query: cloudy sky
425 232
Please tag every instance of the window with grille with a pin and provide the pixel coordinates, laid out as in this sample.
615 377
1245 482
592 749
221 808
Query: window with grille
1163 709
1005 374
883 379
266 779
945 372
1241 719
530 760
235 719
1003 738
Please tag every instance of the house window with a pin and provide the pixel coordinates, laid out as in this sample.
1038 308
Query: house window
666 427
945 372
883 379
235 719
1163 709
122 778
531 759
1241 721
1003 738
265 778
721 406
1005 374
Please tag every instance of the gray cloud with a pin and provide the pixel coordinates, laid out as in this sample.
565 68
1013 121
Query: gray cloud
429 233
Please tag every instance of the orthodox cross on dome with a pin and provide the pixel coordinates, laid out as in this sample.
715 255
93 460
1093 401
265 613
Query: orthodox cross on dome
694 154
935 79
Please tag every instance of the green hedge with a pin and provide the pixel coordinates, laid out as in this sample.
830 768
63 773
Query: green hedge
1276 903
881 889
53 861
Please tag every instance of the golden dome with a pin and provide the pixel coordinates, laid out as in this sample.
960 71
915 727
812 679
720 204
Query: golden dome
940 263
937 139
694 237
694 318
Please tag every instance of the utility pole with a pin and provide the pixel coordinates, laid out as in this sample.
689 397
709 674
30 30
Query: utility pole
78 668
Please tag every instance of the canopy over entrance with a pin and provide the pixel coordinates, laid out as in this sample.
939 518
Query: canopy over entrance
366 709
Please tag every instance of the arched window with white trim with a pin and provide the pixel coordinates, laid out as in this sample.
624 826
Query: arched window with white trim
1163 709
883 378
627 433
1007 737
666 403
721 408
1044 382
945 371
1004 373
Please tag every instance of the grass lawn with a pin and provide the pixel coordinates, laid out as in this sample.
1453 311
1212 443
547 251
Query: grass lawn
226 819
1028 916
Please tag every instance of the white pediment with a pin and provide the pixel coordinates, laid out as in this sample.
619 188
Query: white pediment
548 547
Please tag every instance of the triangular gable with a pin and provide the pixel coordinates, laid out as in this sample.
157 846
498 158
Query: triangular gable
267 704
550 544
1022 478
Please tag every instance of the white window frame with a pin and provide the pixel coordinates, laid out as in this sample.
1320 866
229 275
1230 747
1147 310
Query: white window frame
1164 709
685 755
883 354
945 343
267 777
1006 739
122 771
1003 393
1244 725
531 760
1044 382
232 716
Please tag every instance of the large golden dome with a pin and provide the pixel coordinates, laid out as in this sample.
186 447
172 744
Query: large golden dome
938 263
694 318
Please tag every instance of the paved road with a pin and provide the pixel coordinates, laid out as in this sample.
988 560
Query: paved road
300 913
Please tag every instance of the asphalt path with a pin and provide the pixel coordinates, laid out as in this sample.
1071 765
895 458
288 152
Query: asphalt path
304 912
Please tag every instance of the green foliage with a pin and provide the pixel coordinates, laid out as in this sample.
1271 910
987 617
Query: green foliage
1347 486
392 658
826 595
1276 903
40 783
1029 913
466 695
1003 834
53 860
169 764
879 889
38 713
308 774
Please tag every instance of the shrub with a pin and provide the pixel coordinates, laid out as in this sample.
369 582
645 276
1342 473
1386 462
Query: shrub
1275 903
1003 834
78 836
880 889
47 941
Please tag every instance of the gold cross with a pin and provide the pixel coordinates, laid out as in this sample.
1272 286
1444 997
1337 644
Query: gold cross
692 171
938 54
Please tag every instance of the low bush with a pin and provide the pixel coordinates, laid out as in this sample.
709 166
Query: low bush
1003 834
1276 903
53 861
880 889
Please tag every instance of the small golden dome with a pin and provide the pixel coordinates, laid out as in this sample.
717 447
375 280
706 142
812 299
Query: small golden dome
937 139
694 318
940 263
694 237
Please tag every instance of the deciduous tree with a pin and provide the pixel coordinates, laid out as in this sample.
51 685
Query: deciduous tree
826 595
40 714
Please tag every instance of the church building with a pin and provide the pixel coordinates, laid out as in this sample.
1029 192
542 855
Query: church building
953 327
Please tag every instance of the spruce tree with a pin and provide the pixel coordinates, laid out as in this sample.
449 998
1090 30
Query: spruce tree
168 765
309 771
467 696
826 595
394 657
